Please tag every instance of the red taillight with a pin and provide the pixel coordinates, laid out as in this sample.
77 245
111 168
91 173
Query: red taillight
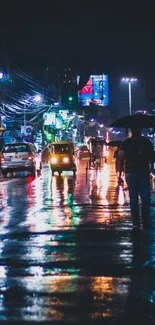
2 158
30 157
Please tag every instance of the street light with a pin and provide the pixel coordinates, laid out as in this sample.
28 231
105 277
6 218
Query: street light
35 99
129 81
1 75
56 103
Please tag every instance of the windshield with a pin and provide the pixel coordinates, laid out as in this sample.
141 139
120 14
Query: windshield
62 149
15 148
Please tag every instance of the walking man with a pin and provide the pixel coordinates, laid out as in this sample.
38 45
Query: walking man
137 153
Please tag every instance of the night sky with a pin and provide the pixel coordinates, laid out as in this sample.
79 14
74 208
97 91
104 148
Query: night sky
116 39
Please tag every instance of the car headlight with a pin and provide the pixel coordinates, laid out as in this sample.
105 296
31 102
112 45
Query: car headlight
65 160
53 160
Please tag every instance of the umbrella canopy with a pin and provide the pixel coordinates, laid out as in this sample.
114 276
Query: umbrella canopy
114 143
141 120
96 140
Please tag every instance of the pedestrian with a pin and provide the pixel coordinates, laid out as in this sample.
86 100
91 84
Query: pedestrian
96 153
120 181
135 155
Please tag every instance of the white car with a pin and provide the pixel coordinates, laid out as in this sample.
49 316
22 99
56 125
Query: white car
21 156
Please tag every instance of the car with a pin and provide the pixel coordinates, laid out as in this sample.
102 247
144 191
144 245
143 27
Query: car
83 152
20 156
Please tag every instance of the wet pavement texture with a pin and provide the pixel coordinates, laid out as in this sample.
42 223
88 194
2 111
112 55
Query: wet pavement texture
68 254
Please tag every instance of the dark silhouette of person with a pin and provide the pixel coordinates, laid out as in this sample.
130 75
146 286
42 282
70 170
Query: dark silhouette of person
137 153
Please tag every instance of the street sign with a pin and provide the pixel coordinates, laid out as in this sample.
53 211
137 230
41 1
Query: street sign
26 130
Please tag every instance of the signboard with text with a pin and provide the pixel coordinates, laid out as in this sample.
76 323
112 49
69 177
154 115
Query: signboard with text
95 91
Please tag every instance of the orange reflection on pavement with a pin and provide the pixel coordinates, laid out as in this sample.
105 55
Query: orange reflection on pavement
104 176
103 289
99 183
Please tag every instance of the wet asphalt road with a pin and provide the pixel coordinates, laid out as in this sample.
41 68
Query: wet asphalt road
68 254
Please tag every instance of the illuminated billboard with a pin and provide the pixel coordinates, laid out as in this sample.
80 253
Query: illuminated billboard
50 118
95 91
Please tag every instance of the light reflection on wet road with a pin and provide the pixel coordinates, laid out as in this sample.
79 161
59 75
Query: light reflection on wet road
67 252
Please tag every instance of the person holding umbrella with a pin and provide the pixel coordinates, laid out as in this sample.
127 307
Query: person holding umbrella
136 154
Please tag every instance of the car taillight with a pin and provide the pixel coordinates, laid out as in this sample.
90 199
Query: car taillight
2 158
30 157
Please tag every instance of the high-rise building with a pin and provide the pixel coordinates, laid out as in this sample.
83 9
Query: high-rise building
68 86
69 76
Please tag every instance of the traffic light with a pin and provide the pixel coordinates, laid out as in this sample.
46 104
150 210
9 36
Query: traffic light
70 98
49 136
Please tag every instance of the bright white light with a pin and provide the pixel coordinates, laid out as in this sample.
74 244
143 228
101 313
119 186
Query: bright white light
92 120
121 196
37 98
101 125
74 114
133 79
65 159
129 80
53 160
56 104
1 75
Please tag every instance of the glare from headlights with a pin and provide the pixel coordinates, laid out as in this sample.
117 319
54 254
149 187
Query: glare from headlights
65 159
53 160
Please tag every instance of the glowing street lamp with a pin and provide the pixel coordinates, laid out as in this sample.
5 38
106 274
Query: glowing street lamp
56 103
35 99
129 81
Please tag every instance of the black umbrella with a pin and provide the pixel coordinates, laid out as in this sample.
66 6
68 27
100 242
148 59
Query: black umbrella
97 140
139 120
114 143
